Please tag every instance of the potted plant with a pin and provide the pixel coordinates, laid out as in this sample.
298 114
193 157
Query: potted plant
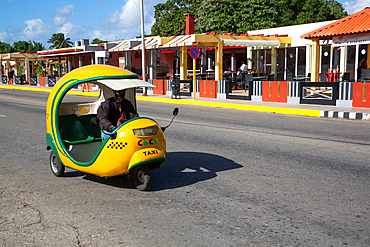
40 73
18 79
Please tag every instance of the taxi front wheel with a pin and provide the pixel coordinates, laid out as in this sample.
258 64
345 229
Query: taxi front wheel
56 166
142 177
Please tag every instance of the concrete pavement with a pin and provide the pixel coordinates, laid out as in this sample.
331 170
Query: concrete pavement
281 108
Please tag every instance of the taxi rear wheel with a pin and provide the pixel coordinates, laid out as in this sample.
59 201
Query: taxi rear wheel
142 177
57 168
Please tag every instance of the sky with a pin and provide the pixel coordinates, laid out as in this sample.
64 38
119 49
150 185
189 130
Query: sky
110 20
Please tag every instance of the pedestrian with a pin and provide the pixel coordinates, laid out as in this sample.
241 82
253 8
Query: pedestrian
10 75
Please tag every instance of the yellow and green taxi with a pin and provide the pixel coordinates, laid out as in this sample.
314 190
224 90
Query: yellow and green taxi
134 148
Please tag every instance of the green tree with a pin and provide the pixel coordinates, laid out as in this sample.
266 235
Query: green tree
318 10
5 48
238 16
35 47
170 16
98 41
27 46
58 41
20 46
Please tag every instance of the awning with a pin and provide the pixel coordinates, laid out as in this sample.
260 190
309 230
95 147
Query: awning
235 42
66 54
150 43
120 84
183 40
121 46
20 55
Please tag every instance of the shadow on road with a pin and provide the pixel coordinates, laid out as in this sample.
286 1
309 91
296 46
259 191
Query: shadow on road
180 169
186 168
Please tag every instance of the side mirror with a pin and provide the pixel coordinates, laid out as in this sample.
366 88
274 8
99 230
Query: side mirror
175 111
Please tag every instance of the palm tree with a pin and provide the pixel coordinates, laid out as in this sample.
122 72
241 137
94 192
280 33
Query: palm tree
58 41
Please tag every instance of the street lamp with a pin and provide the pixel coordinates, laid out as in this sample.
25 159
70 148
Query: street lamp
143 45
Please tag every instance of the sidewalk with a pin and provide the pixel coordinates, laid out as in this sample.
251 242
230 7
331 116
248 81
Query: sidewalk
281 108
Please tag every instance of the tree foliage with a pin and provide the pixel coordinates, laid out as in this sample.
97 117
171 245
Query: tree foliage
170 16
98 41
238 16
5 48
27 46
58 41
21 46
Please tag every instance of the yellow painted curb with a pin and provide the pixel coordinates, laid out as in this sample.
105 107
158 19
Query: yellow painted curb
49 90
269 109
281 110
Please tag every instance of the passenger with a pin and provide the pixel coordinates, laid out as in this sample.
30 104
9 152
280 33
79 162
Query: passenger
115 111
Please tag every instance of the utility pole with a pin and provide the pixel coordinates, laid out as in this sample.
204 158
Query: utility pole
143 46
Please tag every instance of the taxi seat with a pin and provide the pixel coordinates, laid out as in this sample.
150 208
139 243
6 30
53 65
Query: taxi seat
91 130
72 130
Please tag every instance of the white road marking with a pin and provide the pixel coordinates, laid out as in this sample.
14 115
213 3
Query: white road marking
2 116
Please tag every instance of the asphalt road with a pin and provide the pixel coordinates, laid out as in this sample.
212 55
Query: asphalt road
231 178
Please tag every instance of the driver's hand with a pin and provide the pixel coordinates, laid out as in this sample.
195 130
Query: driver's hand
122 119
111 128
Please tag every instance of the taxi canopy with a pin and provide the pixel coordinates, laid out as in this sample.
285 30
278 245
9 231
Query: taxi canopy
120 84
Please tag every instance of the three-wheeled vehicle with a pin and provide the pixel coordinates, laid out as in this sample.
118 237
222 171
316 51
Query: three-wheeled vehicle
134 148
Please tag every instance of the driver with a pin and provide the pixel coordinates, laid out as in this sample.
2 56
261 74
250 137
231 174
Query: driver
115 111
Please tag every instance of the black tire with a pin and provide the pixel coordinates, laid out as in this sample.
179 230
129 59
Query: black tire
57 168
142 177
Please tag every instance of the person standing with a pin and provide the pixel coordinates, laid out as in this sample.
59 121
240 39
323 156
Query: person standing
10 75
243 70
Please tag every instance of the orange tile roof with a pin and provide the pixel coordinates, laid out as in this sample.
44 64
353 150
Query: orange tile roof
353 24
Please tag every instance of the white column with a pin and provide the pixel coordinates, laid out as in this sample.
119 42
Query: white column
285 61
233 61
320 59
296 61
343 59
249 58
209 63
153 64
356 60
308 59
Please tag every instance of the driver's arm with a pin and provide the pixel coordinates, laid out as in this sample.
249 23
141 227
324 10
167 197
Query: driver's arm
103 115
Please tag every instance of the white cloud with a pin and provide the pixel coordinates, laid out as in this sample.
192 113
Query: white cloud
126 23
71 30
354 6
63 14
36 30
3 36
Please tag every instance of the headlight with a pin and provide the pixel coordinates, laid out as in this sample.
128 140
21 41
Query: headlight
150 131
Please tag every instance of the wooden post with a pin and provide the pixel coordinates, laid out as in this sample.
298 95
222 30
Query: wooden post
218 62
315 60
273 60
